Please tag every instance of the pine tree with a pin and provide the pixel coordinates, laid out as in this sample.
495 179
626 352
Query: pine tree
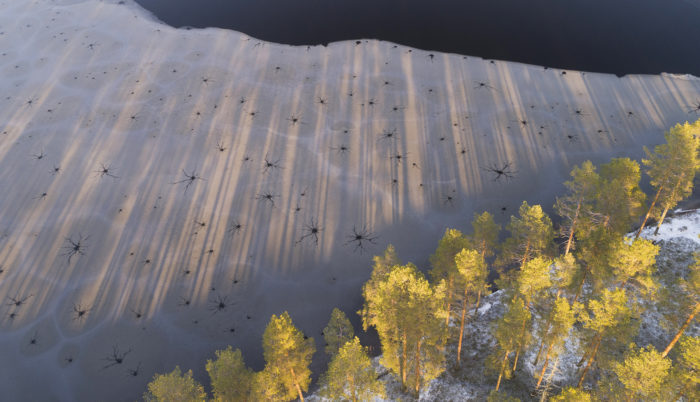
472 275
687 370
350 376
609 316
531 234
577 204
561 320
642 374
408 314
619 199
672 168
443 264
688 300
565 272
507 334
632 264
175 386
571 394
381 268
484 239
338 331
596 250
288 355
230 378
266 387
533 279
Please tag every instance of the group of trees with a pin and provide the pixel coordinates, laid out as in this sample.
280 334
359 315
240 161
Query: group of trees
587 281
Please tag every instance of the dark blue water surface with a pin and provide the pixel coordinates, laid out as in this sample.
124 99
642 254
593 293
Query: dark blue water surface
613 36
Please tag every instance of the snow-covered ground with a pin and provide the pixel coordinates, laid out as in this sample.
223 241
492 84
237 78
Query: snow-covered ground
160 187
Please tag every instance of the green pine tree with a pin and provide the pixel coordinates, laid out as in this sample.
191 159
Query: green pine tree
642 374
175 387
577 204
672 168
338 331
288 356
687 369
687 301
571 394
350 376
230 378
619 199
609 317
381 268
507 333
443 264
484 239
472 275
408 314
531 234
561 320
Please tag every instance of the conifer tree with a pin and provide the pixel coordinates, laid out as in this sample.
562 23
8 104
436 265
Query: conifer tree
596 250
565 272
507 334
687 370
619 199
571 394
230 378
533 279
266 387
610 317
175 386
472 275
288 356
531 234
561 320
632 264
484 239
338 331
688 301
576 205
380 271
672 168
408 314
642 374
443 264
350 376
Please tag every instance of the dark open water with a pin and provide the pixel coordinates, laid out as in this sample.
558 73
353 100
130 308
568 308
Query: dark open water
613 36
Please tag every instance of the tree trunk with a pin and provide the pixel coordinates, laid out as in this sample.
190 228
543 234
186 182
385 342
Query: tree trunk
461 328
296 384
520 343
503 367
402 369
580 286
543 398
449 299
661 220
544 365
526 254
668 204
590 361
478 300
417 388
573 225
651 208
539 351
680 331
